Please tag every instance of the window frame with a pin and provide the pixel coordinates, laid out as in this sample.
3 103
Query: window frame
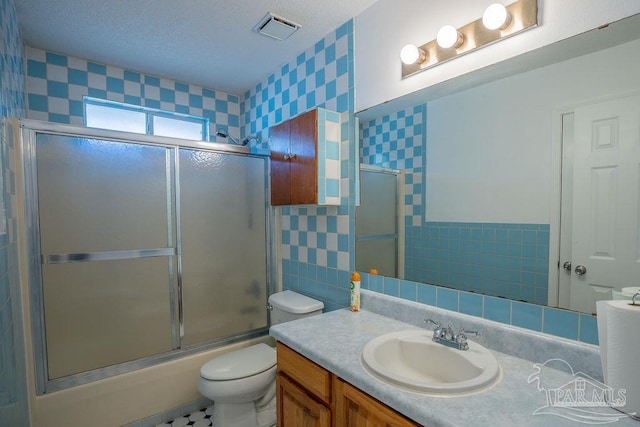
149 113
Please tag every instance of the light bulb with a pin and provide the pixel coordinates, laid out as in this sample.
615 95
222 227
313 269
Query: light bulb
448 37
410 54
496 17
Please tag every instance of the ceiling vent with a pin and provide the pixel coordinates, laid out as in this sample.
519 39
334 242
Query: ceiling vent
276 27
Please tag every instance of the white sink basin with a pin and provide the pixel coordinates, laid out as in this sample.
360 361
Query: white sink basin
411 360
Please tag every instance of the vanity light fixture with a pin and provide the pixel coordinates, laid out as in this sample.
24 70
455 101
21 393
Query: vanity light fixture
412 54
496 17
448 37
497 23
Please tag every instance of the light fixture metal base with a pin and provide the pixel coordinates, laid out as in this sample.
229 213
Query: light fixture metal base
524 15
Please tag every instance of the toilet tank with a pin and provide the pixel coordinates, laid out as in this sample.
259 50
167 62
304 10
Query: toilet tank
289 305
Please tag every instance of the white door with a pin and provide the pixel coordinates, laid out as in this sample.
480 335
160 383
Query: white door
605 243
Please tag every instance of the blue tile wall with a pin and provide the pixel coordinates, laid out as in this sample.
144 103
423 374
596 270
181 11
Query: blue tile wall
11 63
505 260
325 283
322 76
56 85
317 242
13 382
553 321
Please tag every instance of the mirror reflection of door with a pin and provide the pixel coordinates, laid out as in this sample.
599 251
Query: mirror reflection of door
378 218
600 240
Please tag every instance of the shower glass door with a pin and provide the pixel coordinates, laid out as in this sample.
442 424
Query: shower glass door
224 259
108 252
140 252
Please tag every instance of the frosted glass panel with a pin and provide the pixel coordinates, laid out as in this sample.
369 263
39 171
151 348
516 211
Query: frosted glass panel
99 195
178 128
102 313
109 117
378 254
376 223
377 211
224 259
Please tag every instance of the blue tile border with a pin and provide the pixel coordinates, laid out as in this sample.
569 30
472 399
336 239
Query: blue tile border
560 323
552 321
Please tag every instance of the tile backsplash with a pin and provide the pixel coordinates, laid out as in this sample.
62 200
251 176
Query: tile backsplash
505 260
553 321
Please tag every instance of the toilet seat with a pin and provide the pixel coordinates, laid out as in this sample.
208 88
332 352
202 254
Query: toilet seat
246 362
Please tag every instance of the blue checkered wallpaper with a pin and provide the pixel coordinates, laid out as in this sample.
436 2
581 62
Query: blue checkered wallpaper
397 141
56 85
13 381
505 260
11 63
321 76
317 242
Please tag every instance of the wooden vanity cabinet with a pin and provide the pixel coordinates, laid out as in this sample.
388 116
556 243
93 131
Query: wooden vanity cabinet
305 159
297 408
354 408
309 395
304 390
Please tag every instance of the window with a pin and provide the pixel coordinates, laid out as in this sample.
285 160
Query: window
102 114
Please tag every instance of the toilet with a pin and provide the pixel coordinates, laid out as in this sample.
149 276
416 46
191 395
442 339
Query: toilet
242 383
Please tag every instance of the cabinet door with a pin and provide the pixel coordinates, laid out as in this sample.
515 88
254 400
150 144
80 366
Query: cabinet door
304 164
310 376
280 146
296 408
356 409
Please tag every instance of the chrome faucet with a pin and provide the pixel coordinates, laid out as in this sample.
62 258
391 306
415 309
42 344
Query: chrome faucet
446 336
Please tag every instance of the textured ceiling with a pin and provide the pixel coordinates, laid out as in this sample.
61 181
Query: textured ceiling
205 42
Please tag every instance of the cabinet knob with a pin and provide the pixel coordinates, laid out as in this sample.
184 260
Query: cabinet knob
290 156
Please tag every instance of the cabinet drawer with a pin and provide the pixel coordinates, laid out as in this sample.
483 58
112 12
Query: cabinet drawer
309 375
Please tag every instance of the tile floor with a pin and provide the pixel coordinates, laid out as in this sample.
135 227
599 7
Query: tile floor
201 418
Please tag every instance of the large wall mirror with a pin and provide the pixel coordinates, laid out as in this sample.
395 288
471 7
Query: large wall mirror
527 186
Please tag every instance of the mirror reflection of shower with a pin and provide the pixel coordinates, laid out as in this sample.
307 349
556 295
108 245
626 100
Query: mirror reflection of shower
379 219
224 133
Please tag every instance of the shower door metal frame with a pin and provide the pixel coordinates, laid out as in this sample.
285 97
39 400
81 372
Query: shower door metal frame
31 254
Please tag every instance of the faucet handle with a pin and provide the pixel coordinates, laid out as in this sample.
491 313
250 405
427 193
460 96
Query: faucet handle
464 331
461 338
435 323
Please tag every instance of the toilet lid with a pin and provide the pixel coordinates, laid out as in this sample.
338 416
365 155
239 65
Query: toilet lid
241 363
295 303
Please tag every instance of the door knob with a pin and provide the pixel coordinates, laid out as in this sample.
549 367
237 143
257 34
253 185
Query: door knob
567 266
580 270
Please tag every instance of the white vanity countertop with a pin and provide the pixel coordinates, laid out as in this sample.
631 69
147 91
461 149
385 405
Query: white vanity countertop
335 341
